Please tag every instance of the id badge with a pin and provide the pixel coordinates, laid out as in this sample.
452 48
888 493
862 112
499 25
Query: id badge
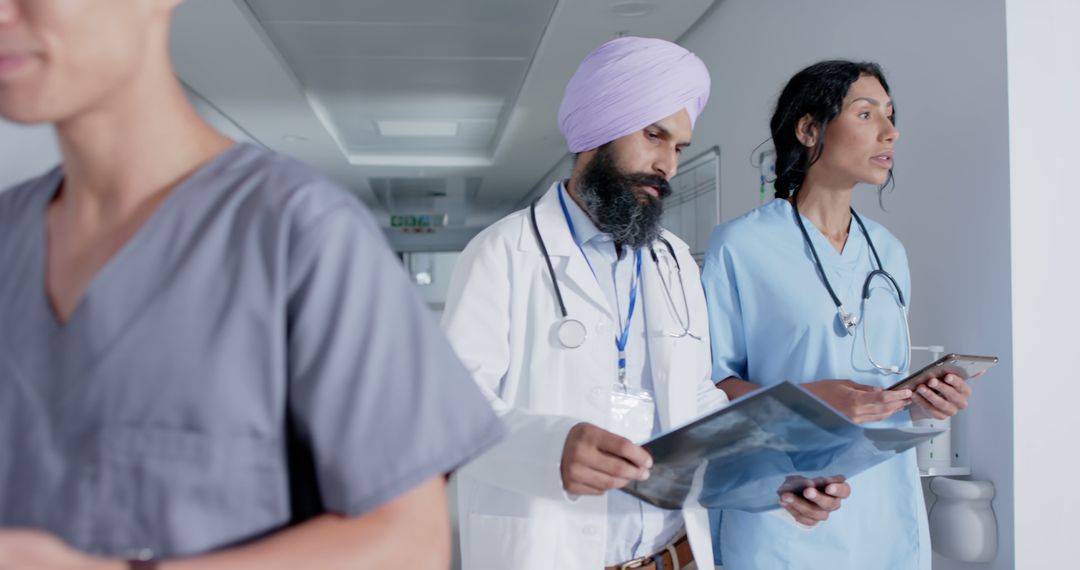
632 414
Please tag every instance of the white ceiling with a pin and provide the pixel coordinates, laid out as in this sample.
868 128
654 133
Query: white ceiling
314 78
456 62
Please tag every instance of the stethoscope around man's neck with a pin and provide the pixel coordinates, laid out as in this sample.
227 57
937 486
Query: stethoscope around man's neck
571 332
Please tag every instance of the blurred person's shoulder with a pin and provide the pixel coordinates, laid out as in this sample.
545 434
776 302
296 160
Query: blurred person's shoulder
271 182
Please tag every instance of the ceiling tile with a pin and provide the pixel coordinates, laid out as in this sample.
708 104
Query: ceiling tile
500 12
437 41
462 61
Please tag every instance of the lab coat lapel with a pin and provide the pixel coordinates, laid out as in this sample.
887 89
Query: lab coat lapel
575 277
660 345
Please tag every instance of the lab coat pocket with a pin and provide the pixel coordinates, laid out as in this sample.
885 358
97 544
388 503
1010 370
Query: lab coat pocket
497 542
176 492
681 366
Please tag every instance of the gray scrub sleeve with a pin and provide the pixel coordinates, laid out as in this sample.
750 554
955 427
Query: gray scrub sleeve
374 389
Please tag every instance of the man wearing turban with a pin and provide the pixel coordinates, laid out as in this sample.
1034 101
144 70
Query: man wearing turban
535 303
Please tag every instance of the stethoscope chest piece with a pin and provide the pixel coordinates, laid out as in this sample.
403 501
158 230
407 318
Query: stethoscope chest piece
847 319
850 320
571 333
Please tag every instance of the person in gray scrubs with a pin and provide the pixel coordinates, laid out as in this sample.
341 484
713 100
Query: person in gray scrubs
209 357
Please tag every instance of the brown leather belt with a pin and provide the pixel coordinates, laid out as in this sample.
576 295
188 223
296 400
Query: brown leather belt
681 546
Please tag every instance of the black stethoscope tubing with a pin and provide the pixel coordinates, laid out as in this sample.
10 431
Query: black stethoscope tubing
844 317
547 258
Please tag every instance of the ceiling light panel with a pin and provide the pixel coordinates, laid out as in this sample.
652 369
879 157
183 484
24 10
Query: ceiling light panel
408 128
487 12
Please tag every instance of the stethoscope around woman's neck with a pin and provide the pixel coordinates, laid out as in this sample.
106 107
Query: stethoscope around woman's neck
850 320
572 332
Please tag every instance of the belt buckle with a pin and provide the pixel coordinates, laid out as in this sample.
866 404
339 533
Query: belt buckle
635 563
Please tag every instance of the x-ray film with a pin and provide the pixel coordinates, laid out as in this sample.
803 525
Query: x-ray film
777 439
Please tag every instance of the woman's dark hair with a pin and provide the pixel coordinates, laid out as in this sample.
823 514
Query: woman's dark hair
818 91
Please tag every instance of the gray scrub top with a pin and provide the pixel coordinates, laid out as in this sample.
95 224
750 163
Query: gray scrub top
253 357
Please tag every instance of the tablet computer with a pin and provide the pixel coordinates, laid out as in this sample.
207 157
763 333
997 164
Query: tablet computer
966 366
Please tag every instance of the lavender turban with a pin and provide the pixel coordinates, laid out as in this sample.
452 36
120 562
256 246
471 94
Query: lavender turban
628 84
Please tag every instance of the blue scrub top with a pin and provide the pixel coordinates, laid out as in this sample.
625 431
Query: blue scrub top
771 319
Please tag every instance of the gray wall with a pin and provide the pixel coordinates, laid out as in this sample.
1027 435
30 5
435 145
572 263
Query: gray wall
25 152
946 62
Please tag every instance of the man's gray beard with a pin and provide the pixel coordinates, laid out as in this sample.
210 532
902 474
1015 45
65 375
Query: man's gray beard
610 200
624 221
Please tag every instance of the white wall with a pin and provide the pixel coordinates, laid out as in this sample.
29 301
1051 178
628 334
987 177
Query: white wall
946 62
1044 119
25 152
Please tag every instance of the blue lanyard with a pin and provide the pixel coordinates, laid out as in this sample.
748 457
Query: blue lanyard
622 339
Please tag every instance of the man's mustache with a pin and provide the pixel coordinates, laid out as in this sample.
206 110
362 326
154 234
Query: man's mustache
658 182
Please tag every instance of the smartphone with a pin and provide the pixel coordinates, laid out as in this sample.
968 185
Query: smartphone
966 366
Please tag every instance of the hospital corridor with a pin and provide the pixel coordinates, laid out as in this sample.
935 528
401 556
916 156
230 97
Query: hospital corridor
539 284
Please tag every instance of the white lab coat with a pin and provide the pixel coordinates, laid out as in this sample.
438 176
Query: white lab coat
501 317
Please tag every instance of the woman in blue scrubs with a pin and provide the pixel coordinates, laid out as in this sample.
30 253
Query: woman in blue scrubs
784 284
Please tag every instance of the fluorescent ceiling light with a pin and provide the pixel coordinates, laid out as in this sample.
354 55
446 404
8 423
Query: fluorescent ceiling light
420 161
417 128
632 9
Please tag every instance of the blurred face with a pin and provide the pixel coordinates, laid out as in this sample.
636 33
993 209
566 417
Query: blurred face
59 58
625 181
859 141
